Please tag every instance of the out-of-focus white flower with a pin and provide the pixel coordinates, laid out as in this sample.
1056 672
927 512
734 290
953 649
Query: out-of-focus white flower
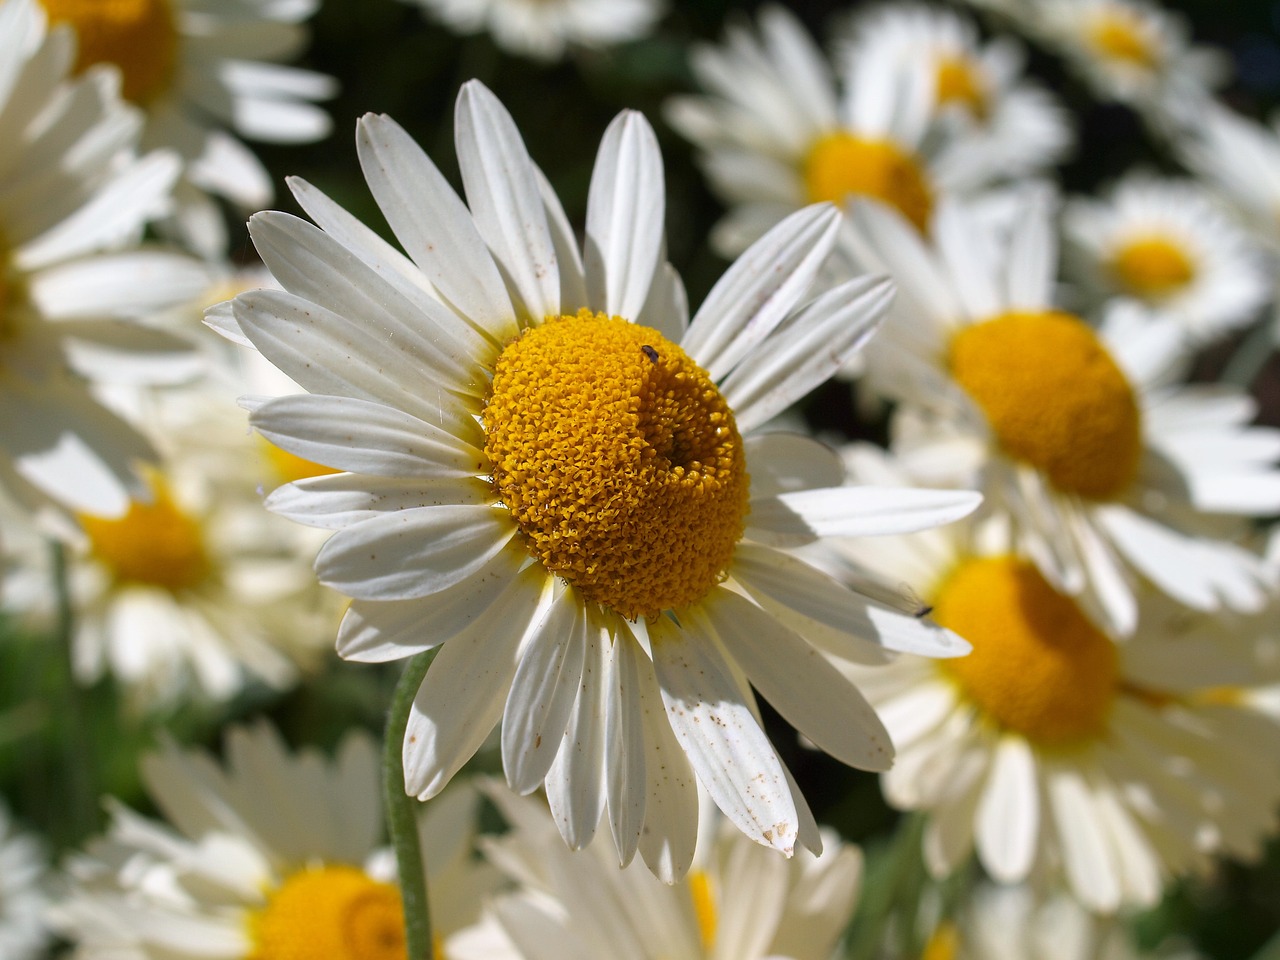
23 898
737 902
547 474
545 29
74 200
204 71
1169 245
1051 749
1112 470
274 855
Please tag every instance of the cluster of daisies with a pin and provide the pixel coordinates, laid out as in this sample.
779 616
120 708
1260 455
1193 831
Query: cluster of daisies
485 432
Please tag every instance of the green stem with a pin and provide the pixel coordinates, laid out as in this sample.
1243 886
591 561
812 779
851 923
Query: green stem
1270 950
893 870
1251 356
80 763
402 812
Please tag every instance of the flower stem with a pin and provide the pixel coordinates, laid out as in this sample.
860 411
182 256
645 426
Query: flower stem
402 812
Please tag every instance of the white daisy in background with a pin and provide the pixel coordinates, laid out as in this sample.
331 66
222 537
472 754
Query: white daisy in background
23 897
74 200
1112 470
1005 127
546 29
549 476
1169 245
1132 51
737 903
276 855
775 132
1052 750
205 73
1016 923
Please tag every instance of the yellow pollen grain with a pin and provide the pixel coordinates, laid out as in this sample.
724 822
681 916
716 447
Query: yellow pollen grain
154 543
1152 267
330 913
841 164
958 83
618 459
1054 398
1117 34
138 36
944 943
1038 668
288 467
702 893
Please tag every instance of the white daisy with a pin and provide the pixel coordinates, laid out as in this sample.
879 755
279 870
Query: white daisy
1005 127
1167 244
1133 51
776 133
73 282
547 472
1053 751
204 71
737 903
1016 923
23 898
1113 471
545 29
275 855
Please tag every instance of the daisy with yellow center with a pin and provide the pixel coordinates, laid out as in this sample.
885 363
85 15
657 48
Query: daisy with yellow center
1000 126
1133 51
776 133
737 903
72 288
1170 246
551 474
1110 471
202 75
273 855
1050 749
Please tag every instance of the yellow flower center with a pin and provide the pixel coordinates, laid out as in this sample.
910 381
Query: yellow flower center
1152 267
288 467
154 543
330 913
1054 398
1038 667
704 906
959 83
841 164
944 943
618 459
138 36
1118 34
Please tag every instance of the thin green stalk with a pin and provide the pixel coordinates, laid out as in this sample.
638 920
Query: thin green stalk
1270 950
1251 356
79 761
402 812
893 870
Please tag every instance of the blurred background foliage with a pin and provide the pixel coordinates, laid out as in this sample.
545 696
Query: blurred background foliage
63 748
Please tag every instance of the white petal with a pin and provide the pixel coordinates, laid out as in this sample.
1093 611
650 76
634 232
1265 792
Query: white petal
1008 816
1085 855
1033 255
413 553
335 501
807 515
575 783
785 462
625 745
626 207
718 731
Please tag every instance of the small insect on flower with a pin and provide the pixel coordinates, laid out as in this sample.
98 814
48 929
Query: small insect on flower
651 353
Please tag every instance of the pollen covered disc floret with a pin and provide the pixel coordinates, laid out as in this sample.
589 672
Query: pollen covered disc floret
841 164
139 36
1054 397
330 913
1038 666
619 461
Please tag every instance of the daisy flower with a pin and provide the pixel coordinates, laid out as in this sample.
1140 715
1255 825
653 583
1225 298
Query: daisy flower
1051 750
1170 246
273 855
1016 923
23 933
545 29
547 472
1112 470
1004 126
74 200
737 903
1132 51
776 133
204 71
